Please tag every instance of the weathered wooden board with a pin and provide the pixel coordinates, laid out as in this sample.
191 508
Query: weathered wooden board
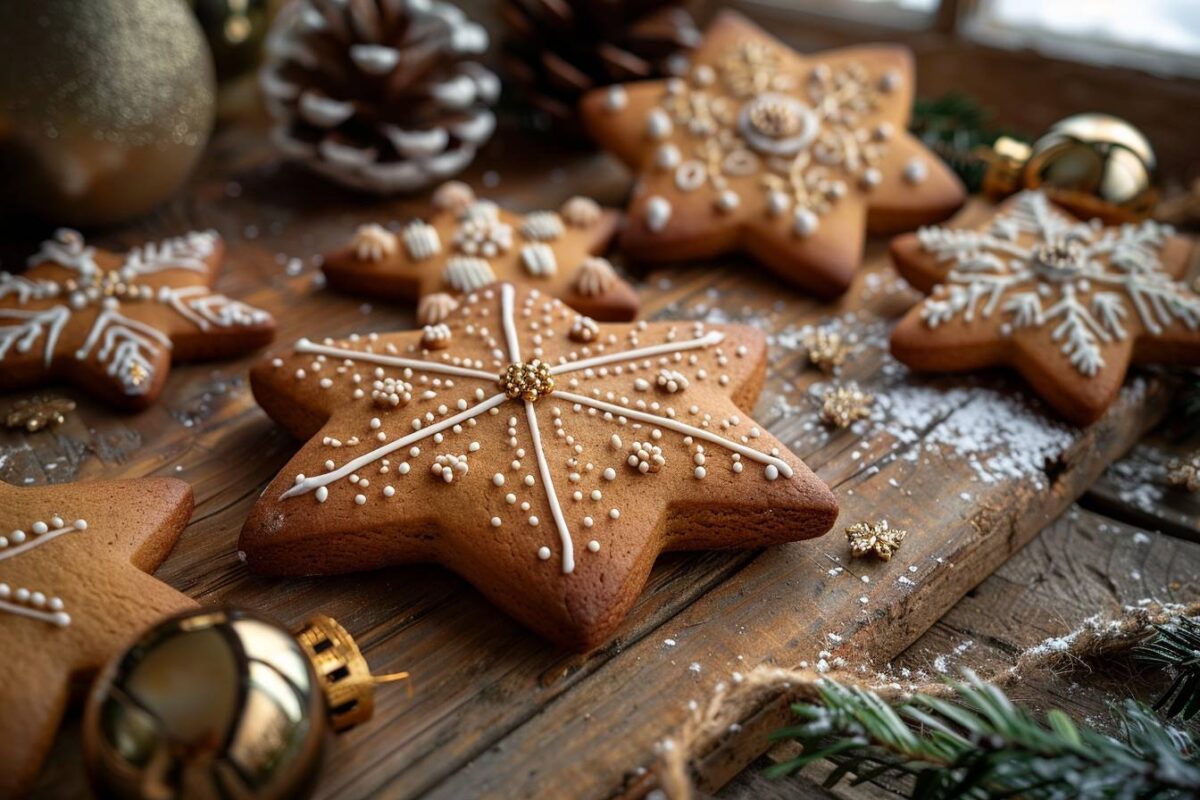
1136 488
1083 564
966 465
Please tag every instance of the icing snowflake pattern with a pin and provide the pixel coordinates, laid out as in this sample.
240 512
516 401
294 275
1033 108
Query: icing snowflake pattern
36 310
34 603
533 402
1042 270
803 134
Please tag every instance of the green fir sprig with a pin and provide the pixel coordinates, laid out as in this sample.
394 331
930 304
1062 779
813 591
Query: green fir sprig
983 746
956 127
1175 647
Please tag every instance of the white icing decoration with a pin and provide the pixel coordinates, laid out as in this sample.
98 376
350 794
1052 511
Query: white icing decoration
538 259
466 274
189 251
1079 278
615 98
594 276
658 213
916 171
542 226
24 602
421 241
581 212
372 242
450 467
482 233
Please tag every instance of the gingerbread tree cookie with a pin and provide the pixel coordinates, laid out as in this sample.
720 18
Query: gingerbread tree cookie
1068 304
786 158
74 587
467 243
545 457
112 324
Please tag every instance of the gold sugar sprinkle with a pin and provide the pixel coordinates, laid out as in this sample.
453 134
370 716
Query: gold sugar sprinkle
38 413
874 538
842 406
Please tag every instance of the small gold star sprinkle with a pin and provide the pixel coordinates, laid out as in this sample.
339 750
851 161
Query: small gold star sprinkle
842 406
875 538
37 413
1185 474
826 349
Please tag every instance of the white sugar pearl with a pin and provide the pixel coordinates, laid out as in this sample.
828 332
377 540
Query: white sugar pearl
615 513
495 522
360 499
544 553
498 479
322 494
533 521
593 546
610 474
389 491
700 472
772 472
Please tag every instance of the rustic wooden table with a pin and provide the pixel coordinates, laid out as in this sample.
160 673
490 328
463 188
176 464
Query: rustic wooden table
971 468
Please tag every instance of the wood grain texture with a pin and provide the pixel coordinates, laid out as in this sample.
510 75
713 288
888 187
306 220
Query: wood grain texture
497 711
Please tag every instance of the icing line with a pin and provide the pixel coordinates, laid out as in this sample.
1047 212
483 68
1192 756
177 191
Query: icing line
308 346
564 533
710 338
308 484
784 468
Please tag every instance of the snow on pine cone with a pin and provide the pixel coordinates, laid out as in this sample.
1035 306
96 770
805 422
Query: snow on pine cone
380 95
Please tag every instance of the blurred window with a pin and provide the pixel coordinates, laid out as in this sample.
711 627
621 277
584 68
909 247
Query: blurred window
886 13
1157 35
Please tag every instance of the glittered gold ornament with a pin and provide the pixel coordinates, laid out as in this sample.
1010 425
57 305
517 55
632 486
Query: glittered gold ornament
105 105
842 406
874 538
1095 165
826 349
1185 474
38 413
219 703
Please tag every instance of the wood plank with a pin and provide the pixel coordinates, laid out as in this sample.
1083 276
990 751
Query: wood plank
970 467
1082 565
1135 488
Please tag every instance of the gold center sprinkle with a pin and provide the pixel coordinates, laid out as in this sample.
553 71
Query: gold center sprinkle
775 119
527 380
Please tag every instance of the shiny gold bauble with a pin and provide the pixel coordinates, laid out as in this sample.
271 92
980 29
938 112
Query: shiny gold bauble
105 105
1095 165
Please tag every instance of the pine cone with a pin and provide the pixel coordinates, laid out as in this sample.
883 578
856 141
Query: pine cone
558 49
379 94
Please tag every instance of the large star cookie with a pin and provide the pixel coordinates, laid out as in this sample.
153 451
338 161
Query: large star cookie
112 324
74 588
1069 304
468 243
760 150
546 458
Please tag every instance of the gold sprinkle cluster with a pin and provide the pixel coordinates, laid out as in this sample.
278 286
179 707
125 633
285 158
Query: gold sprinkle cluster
874 538
1185 474
827 350
774 118
38 413
842 406
527 380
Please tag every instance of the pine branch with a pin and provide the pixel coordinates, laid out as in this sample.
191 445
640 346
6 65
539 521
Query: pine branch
954 126
984 746
1175 647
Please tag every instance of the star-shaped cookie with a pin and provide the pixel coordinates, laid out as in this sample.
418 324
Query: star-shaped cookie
786 158
112 324
467 243
1068 304
74 588
546 458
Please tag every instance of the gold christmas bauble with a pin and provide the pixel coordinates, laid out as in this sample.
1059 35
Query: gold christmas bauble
1095 165
105 105
218 703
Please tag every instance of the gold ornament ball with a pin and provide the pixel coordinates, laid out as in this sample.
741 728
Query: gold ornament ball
207 704
105 105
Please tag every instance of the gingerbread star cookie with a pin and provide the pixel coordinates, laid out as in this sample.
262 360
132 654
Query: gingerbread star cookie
74 587
111 324
546 458
1068 304
468 243
786 158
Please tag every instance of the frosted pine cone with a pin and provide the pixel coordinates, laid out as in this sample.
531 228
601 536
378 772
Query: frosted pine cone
379 95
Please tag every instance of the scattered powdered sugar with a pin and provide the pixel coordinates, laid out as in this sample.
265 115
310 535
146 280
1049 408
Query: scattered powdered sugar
1140 478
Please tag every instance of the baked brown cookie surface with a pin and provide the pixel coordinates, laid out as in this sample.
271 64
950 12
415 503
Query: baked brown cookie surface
785 157
467 243
112 324
74 588
1068 304
546 458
